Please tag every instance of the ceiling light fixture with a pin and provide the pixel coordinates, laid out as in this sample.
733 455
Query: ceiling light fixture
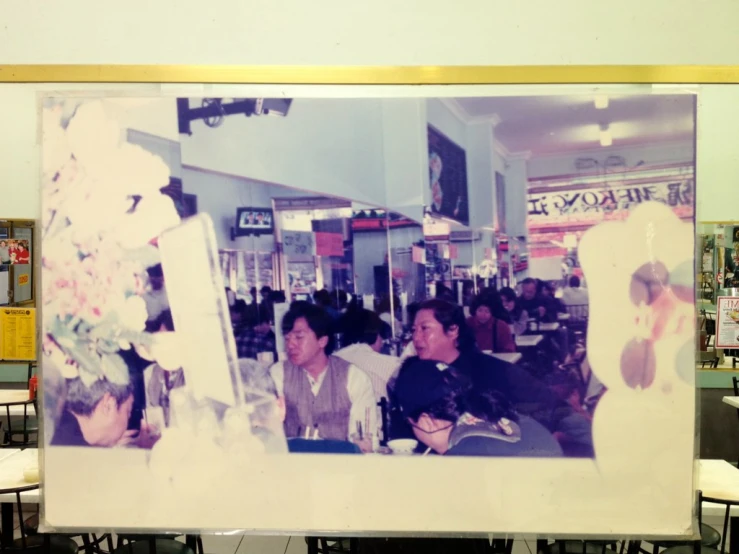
605 136
601 102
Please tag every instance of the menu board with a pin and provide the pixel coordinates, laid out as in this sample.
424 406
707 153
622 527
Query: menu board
298 243
18 334
727 322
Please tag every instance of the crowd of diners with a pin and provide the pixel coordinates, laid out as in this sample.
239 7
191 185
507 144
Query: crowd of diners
446 385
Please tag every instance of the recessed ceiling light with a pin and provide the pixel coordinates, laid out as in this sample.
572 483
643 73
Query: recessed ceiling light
601 102
605 136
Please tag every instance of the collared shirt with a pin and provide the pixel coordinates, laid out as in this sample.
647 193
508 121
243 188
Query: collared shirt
358 386
378 367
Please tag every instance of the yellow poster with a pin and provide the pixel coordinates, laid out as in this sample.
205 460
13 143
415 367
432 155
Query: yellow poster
23 279
18 333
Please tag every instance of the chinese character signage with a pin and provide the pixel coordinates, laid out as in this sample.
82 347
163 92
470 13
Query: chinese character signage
566 207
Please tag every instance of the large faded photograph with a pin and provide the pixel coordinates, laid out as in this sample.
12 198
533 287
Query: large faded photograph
239 281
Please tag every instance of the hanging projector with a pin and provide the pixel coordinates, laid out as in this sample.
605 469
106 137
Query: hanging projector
214 110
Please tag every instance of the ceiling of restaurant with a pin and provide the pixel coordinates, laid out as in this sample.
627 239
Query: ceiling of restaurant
541 125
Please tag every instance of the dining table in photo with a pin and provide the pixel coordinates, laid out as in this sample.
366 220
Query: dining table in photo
528 341
732 401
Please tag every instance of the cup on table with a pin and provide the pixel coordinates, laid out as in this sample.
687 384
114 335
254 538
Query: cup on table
403 447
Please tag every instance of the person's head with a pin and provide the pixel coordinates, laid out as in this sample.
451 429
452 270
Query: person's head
307 329
545 289
265 293
482 310
238 313
102 409
432 396
574 281
322 298
364 326
444 293
156 277
3 244
528 288
508 297
440 331
21 246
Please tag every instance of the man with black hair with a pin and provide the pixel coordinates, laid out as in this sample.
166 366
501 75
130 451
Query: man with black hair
324 394
156 297
96 415
365 332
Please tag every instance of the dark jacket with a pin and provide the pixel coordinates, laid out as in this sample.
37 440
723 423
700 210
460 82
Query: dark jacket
528 395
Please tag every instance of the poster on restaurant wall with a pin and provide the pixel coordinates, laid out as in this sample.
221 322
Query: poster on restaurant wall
448 177
580 422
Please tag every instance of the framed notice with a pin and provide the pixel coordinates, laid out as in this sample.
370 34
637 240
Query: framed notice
727 322
18 334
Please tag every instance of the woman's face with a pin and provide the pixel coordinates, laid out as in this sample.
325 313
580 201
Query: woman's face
483 315
508 303
430 339
432 432
3 244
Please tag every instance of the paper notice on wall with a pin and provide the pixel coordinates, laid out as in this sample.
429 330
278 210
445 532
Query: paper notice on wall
298 243
418 255
368 302
329 244
727 322
18 334
453 252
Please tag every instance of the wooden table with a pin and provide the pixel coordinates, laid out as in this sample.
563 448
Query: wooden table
12 464
528 341
8 396
732 401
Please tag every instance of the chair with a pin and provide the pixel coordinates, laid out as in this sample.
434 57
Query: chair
321 446
383 404
709 535
587 547
51 544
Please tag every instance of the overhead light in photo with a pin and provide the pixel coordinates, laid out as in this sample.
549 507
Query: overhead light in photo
605 136
601 102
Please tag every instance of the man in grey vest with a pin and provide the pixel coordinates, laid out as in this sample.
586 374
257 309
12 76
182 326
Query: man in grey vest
325 396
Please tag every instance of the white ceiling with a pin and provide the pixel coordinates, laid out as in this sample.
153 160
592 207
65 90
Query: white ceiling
542 125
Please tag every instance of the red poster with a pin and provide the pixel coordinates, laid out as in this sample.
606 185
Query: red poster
329 244
453 252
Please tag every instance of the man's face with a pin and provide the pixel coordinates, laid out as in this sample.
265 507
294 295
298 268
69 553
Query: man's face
112 419
529 291
302 344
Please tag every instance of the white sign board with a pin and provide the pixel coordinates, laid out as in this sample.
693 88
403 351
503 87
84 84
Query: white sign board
727 322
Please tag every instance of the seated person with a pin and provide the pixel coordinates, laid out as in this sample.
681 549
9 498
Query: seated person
516 314
98 416
440 334
575 295
535 303
364 332
450 417
491 333
320 391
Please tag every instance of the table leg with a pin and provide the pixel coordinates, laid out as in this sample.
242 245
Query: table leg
734 535
6 524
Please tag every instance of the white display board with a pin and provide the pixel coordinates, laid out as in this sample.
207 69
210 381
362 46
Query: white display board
638 270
